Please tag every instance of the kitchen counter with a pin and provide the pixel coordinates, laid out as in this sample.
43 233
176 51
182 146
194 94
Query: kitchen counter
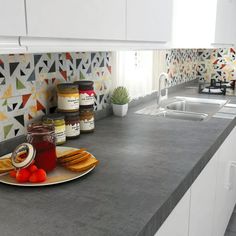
146 166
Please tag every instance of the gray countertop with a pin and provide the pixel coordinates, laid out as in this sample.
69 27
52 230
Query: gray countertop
146 166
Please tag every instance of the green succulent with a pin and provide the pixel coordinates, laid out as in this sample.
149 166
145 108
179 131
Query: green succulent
120 96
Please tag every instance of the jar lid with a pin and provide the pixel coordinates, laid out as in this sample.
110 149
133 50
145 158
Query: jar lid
64 86
40 128
71 114
87 108
83 84
23 155
54 116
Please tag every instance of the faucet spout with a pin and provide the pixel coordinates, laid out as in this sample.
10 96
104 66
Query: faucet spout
162 89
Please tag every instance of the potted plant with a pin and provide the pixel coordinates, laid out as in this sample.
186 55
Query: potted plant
120 99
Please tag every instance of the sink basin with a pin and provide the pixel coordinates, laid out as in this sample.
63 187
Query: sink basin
183 115
197 105
172 114
185 108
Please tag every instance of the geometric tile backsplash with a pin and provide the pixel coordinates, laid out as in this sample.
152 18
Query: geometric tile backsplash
217 64
181 65
187 64
27 81
27 84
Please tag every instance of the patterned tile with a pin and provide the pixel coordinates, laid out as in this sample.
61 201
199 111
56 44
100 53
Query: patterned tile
28 84
182 65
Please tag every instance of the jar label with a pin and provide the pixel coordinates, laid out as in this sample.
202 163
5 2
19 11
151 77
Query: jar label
87 124
86 98
72 130
60 134
68 103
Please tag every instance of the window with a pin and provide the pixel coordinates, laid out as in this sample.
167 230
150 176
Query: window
138 71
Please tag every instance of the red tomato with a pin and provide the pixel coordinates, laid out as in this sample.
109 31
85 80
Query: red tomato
23 175
32 168
38 176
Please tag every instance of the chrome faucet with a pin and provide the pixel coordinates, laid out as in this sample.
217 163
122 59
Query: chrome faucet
162 91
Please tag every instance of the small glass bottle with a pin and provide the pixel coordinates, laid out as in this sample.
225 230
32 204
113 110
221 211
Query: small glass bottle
42 137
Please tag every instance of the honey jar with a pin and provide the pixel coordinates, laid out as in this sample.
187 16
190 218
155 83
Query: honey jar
68 97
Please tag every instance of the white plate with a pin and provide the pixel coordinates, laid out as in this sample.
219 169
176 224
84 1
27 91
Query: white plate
57 176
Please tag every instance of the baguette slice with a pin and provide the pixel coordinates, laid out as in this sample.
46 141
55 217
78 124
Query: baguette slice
84 165
77 160
72 158
69 153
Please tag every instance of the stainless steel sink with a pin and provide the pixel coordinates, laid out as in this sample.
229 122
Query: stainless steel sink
196 105
185 108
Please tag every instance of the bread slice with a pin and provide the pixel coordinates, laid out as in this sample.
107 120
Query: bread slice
69 153
84 165
5 165
78 160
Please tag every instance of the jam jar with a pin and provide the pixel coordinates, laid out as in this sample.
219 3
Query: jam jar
72 121
58 120
87 120
68 97
42 137
86 92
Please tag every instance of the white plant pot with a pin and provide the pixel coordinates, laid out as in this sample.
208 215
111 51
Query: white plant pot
120 110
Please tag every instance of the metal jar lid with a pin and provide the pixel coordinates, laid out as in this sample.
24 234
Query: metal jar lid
27 151
84 84
67 86
54 116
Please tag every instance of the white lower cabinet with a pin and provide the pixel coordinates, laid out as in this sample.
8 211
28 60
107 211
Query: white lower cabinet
177 222
203 200
226 185
206 207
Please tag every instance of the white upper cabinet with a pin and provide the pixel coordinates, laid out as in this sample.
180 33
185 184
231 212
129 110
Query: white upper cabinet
12 18
225 18
149 20
90 19
203 24
193 23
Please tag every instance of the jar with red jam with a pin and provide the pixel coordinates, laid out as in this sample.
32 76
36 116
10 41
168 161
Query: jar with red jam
42 137
86 92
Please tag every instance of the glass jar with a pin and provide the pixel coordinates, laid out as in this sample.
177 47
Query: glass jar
87 120
58 120
72 121
68 97
86 92
42 137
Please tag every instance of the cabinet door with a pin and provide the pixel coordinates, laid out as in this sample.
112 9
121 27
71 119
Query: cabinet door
149 20
225 30
193 23
203 200
177 222
90 19
225 185
12 18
